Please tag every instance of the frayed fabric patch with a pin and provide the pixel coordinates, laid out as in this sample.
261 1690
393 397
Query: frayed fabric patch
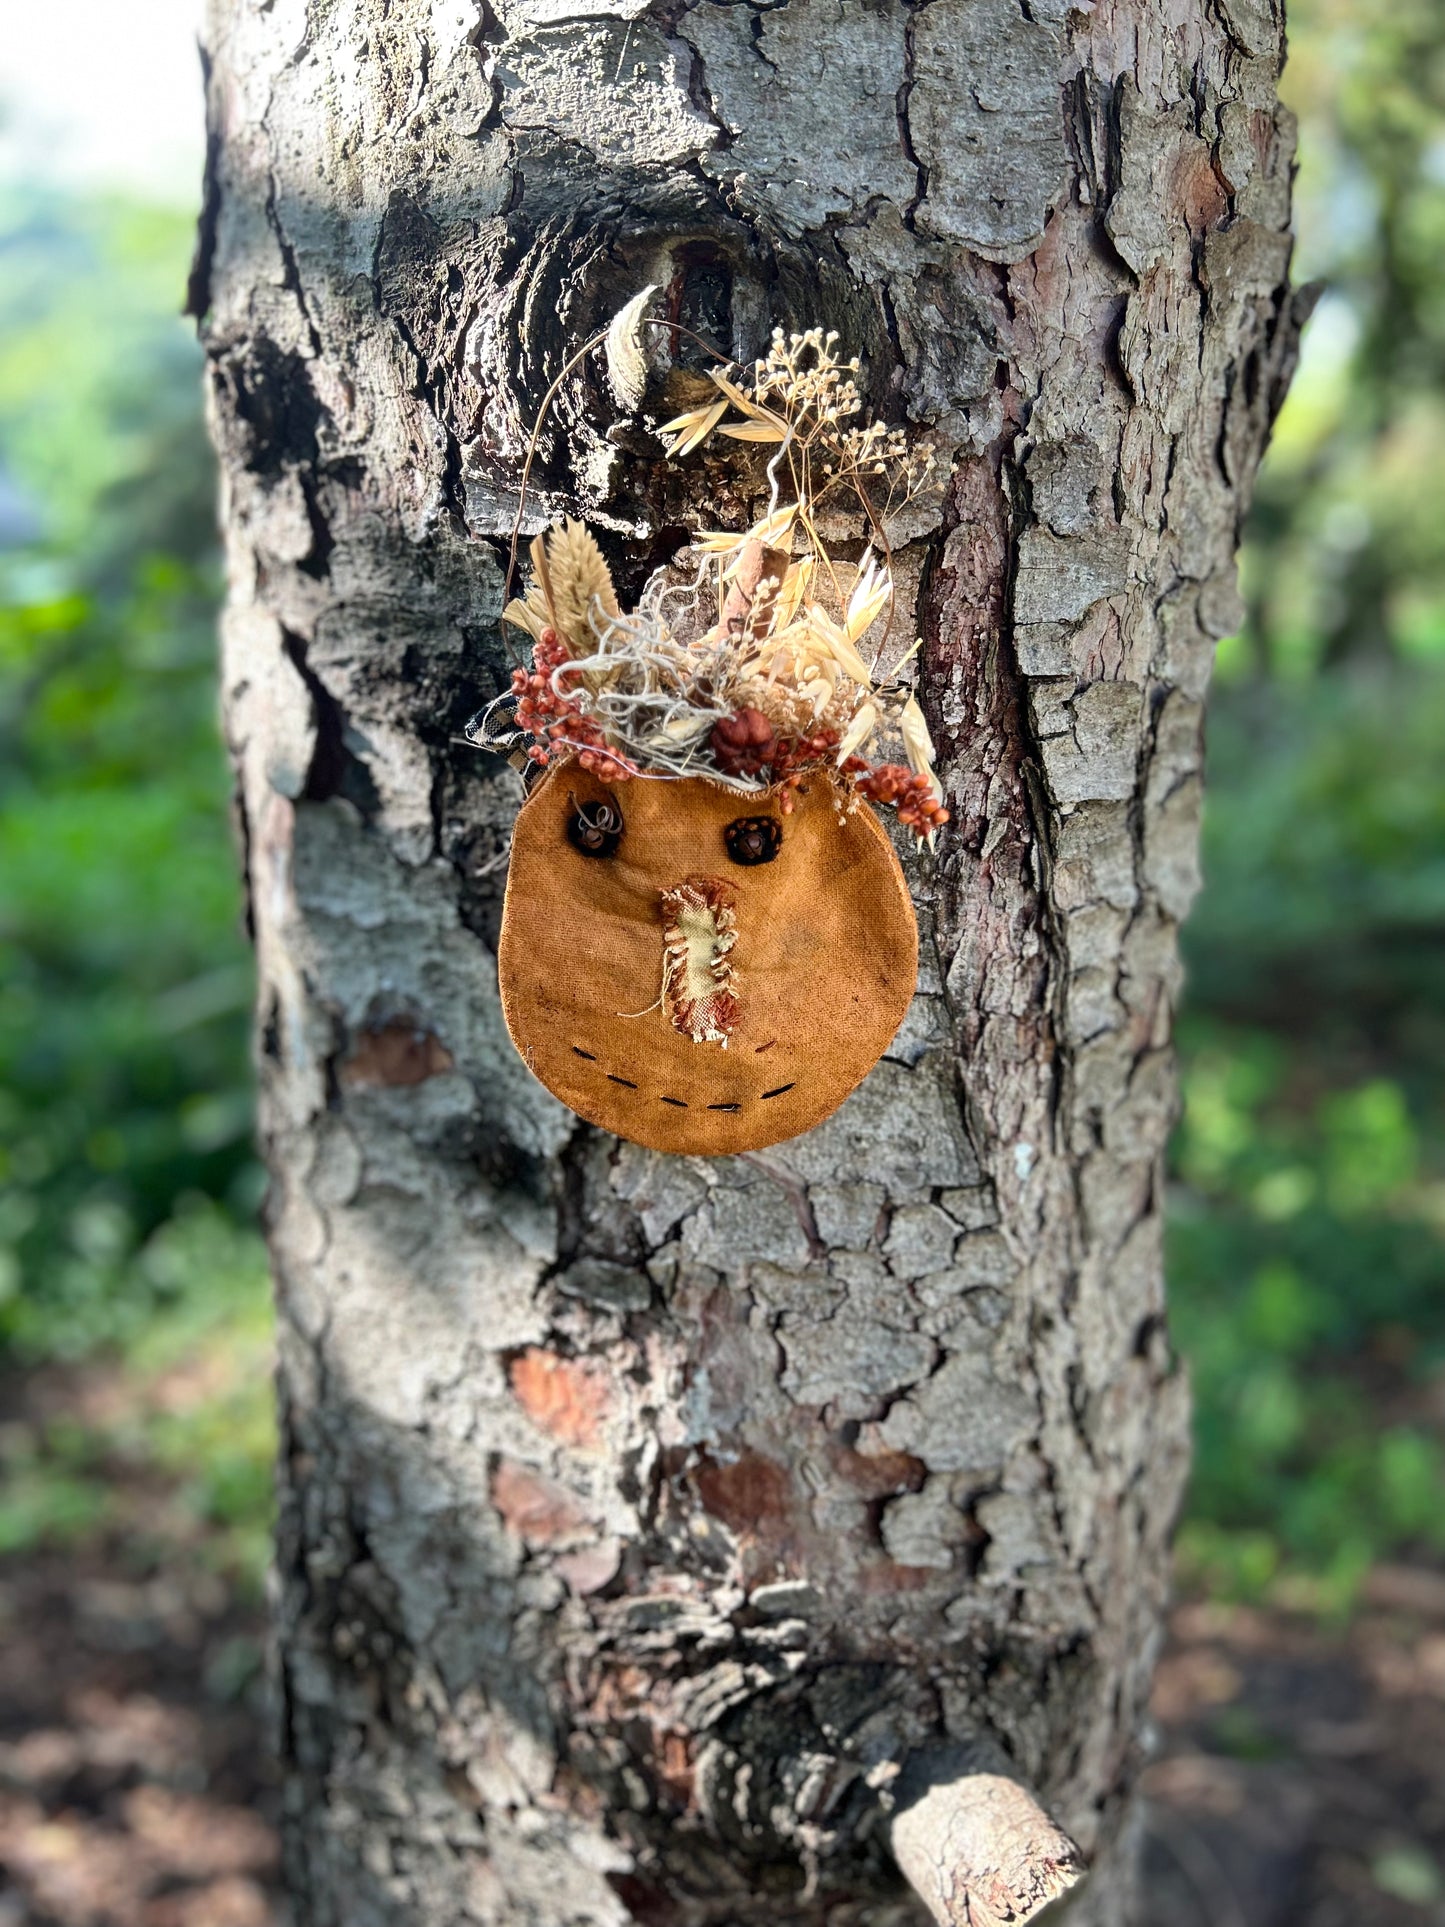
699 984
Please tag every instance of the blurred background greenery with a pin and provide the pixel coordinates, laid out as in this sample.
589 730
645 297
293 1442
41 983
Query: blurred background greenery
128 1182
1308 1228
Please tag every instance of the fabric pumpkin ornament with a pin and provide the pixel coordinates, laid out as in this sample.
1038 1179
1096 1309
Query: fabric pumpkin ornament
710 975
707 940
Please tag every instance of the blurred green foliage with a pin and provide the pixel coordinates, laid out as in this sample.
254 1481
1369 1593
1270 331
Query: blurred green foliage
1346 556
1308 1228
124 978
1307 1247
128 1183
175 1450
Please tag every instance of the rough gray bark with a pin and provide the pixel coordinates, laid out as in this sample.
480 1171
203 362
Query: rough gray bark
643 1519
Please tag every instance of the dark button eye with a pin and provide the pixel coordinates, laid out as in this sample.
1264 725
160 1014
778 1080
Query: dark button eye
753 839
594 828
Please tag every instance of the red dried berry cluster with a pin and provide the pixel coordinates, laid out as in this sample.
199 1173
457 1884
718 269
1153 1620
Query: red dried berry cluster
911 795
746 744
556 720
795 756
540 710
743 744
795 753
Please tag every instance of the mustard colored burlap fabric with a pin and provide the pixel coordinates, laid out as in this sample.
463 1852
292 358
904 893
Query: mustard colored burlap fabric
823 965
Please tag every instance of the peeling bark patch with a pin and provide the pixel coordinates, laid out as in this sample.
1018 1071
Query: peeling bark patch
755 1499
559 82
986 115
568 1398
819 81
395 1053
535 1507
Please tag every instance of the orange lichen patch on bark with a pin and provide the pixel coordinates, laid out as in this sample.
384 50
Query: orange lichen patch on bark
755 1498
879 1475
589 1568
535 1507
617 1693
1200 193
395 1053
568 1398
622 1696
675 1765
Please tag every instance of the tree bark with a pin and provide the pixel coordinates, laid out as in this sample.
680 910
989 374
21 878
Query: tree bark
646 1522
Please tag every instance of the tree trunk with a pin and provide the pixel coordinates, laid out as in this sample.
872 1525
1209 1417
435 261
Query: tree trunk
701 1542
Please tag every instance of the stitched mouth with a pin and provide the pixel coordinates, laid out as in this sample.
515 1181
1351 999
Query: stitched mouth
681 1103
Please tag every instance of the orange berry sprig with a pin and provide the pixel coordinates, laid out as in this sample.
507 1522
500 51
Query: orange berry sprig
912 795
556 721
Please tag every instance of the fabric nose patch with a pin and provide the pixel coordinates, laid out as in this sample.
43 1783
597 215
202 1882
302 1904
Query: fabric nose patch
684 998
700 931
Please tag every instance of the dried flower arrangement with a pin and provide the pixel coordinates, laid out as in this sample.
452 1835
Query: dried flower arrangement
756 657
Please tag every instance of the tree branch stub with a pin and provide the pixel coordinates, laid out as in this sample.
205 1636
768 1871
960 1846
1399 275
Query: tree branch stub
976 1846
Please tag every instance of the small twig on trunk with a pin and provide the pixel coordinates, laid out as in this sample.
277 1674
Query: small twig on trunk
974 1843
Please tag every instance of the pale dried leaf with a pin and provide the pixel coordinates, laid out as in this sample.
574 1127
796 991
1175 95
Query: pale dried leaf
744 403
794 588
770 533
820 684
721 541
918 743
774 528
542 581
762 431
916 739
865 721
693 427
627 370
682 729
681 423
839 644
872 593
523 615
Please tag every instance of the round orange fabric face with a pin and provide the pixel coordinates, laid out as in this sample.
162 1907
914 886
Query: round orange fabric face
690 968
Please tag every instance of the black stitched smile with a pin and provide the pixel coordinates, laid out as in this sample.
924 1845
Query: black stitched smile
681 1103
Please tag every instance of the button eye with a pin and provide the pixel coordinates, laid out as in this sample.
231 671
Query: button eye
753 839
594 828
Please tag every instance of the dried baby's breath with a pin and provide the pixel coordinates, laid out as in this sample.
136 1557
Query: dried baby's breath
755 654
